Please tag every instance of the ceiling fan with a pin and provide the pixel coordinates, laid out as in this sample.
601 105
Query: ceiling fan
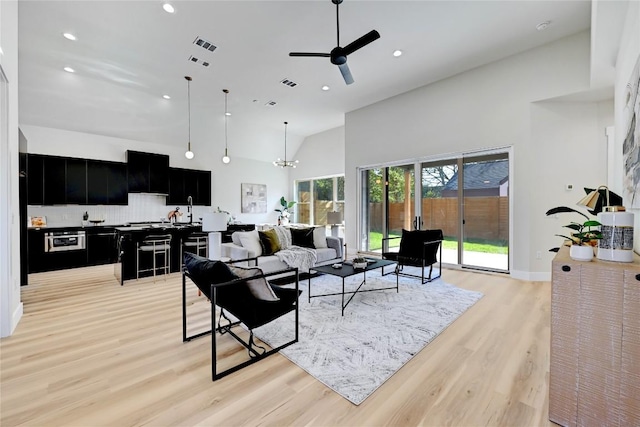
339 54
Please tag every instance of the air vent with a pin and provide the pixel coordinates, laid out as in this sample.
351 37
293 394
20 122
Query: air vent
204 44
198 61
289 83
271 104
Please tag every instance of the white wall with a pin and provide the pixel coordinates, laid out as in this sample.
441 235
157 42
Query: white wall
226 179
628 55
320 155
10 305
496 105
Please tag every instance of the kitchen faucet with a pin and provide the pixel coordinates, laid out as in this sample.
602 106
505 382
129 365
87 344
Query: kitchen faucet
190 208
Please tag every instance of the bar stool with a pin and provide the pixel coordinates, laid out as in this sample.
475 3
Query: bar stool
155 244
196 243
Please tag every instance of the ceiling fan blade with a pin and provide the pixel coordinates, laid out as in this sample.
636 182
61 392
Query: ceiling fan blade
361 42
324 55
346 73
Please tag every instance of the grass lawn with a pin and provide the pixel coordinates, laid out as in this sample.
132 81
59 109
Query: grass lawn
473 245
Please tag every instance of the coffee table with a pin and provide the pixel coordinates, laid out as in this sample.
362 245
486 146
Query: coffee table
347 270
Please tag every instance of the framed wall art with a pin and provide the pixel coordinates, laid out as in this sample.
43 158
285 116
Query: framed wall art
631 144
254 198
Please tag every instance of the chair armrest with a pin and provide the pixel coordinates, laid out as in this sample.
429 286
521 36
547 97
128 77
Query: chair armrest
336 244
233 251
391 238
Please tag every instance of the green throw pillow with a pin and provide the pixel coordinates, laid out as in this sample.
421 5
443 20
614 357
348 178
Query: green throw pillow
269 241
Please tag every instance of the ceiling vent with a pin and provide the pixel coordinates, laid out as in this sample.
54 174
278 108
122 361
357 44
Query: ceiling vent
204 44
198 61
289 83
271 104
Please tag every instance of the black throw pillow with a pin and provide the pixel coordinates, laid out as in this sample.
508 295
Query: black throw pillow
204 272
302 237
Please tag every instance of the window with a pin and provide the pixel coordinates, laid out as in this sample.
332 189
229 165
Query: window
316 197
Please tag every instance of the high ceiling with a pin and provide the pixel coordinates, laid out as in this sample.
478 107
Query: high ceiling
130 53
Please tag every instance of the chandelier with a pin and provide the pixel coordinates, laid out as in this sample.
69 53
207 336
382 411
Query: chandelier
285 163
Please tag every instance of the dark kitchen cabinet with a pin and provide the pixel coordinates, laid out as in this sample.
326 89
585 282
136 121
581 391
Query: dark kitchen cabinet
107 183
188 182
36 261
76 182
55 180
35 179
148 172
101 246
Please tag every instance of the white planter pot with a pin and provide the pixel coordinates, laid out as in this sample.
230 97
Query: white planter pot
581 253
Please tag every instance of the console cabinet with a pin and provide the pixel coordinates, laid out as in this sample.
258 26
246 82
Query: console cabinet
595 342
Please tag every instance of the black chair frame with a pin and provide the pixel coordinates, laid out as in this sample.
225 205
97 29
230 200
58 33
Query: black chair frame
403 261
256 352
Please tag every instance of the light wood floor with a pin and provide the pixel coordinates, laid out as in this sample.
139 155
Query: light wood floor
88 352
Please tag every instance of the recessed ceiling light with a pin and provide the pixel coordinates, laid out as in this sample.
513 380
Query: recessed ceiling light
69 70
397 52
543 25
69 36
166 96
168 8
325 88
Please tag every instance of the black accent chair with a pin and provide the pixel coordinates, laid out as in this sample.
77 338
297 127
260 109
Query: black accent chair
418 248
233 295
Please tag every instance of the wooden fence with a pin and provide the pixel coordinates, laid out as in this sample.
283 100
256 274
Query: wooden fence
486 218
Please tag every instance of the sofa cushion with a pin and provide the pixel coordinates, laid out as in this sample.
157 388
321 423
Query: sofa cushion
302 237
269 241
250 240
259 287
205 272
320 237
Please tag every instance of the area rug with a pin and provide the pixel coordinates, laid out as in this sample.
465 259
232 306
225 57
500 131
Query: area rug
380 331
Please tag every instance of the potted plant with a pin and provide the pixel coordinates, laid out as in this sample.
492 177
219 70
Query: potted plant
583 237
283 218
359 262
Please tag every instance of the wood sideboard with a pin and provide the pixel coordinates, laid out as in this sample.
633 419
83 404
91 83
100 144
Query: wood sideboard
595 342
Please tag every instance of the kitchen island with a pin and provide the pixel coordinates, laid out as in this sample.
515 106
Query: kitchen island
128 238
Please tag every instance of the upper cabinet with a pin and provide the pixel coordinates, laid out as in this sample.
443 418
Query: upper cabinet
107 183
148 172
188 182
55 180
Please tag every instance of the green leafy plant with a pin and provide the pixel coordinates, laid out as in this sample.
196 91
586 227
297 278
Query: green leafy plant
359 260
582 234
284 211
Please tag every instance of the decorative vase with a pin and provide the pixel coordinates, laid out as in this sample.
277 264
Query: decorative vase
581 253
284 221
617 234
359 265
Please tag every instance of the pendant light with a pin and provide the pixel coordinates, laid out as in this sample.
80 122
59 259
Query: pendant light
189 154
285 163
225 158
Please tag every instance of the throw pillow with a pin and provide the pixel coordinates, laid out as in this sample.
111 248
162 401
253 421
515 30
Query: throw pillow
259 287
302 237
250 240
269 241
204 272
320 237
284 236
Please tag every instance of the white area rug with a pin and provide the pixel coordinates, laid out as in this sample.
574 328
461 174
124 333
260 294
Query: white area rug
380 331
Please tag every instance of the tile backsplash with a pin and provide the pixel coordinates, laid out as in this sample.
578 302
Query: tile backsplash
142 207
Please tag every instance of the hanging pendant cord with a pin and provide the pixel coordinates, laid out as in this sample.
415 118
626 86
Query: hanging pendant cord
225 119
285 142
189 108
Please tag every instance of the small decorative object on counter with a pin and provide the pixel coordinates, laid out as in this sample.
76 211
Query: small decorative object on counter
85 219
174 215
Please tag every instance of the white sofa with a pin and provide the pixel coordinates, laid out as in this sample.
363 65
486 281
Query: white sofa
246 244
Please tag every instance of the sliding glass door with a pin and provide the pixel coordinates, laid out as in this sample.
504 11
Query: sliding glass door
466 197
485 198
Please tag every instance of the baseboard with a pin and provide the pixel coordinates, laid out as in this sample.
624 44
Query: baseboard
531 276
15 318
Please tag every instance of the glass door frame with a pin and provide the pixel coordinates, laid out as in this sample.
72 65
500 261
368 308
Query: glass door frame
362 193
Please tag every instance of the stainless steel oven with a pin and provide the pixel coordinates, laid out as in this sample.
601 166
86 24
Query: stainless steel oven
58 241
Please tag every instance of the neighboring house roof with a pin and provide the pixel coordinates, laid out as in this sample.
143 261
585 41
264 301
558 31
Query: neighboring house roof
481 175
